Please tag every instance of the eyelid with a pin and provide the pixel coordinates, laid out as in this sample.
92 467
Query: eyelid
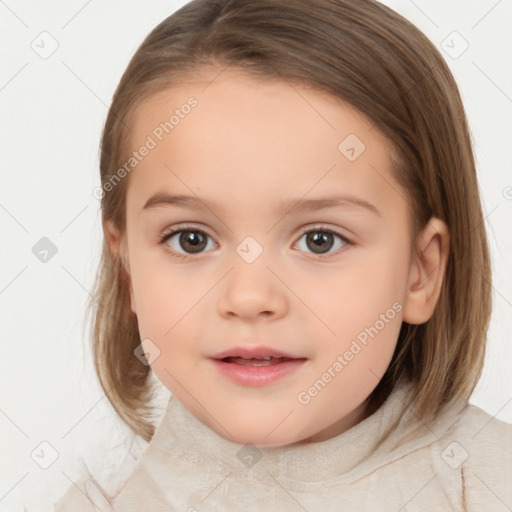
184 227
324 227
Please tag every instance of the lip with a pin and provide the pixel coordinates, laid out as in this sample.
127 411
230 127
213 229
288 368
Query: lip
252 352
256 375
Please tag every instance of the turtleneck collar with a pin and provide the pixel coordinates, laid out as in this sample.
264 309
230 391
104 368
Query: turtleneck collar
185 457
181 436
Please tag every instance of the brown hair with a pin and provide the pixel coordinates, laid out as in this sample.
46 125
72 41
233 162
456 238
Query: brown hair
375 60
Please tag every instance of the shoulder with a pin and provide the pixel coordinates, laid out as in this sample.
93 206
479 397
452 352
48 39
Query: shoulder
102 466
479 448
100 475
84 496
482 429
484 440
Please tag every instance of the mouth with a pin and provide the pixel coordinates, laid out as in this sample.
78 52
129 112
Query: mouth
256 366
257 361
259 352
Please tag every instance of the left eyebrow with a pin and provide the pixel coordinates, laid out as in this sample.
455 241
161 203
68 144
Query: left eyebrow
284 207
301 205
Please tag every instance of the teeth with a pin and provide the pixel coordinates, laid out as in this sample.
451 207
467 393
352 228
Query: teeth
265 358
258 362
263 361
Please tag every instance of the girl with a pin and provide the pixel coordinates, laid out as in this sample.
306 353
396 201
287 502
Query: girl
242 137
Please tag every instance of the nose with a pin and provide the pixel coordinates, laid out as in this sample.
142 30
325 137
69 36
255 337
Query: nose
251 291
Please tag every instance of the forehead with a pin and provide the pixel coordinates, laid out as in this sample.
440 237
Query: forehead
245 135
230 94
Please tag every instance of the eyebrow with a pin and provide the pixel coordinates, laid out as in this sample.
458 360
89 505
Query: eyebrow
284 207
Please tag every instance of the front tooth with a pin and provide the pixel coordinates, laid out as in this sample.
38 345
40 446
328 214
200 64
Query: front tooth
261 362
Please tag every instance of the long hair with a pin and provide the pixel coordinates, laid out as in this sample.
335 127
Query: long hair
369 56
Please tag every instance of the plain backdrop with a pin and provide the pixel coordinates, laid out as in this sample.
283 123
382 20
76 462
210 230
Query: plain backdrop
53 110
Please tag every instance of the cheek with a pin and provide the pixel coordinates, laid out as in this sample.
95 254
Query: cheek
170 303
364 308
365 286
163 295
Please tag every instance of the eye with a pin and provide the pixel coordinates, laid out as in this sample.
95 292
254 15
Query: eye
321 240
187 241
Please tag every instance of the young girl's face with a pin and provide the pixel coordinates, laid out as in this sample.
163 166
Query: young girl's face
261 166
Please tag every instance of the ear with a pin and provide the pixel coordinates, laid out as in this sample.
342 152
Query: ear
118 249
427 272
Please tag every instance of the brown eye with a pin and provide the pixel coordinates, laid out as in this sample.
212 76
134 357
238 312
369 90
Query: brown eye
187 241
192 241
321 241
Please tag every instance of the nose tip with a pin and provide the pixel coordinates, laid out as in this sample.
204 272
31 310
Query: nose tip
251 291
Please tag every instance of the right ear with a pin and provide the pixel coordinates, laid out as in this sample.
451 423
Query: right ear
112 237
119 250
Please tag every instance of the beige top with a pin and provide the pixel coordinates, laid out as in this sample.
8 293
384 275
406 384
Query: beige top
462 462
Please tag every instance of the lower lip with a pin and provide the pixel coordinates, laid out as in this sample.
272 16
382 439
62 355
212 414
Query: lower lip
257 375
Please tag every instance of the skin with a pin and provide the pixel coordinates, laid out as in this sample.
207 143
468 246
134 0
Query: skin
246 146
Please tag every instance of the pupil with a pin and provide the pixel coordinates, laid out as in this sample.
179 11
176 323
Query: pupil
318 238
194 239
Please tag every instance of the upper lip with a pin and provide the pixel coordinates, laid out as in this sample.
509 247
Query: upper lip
255 352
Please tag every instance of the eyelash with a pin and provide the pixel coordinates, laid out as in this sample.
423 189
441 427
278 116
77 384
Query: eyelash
170 233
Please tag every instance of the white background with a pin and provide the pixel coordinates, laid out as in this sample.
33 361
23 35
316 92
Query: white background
53 112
